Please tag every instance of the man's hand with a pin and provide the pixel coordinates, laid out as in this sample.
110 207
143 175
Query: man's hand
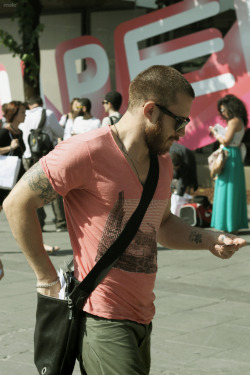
225 245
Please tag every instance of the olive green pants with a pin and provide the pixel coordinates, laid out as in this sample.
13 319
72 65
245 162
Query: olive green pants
114 347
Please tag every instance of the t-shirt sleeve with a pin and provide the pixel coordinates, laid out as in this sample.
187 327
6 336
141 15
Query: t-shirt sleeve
106 121
62 120
68 166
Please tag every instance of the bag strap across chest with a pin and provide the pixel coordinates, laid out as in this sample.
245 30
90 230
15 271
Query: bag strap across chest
106 262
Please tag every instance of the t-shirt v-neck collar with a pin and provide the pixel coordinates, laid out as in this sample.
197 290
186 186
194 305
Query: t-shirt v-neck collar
124 158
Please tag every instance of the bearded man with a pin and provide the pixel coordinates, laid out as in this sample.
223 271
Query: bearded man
100 175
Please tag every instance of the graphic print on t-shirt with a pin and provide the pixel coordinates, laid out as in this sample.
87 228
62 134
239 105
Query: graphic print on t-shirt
141 254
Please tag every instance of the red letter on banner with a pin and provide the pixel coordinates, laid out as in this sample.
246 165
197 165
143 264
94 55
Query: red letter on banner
215 78
93 82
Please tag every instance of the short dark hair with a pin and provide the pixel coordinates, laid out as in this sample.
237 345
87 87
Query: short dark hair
160 83
35 100
115 99
86 103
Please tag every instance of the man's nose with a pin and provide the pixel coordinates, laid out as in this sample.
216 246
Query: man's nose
181 132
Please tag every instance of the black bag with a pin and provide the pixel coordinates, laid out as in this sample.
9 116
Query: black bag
39 142
56 336
55 317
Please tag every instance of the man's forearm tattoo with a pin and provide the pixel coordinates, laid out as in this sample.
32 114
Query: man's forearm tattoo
39 183
195 237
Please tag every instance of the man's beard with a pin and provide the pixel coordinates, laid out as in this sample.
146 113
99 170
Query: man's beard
154 139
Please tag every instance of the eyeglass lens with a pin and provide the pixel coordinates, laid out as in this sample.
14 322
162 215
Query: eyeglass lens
181 122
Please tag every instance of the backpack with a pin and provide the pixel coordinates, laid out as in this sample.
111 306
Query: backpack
114 119
39 142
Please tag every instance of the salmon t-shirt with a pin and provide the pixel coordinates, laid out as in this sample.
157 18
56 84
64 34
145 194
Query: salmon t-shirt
101 191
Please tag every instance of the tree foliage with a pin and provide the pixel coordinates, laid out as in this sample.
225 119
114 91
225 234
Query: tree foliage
27 13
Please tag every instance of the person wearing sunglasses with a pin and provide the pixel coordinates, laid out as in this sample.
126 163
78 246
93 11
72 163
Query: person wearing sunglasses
181 122
111 105
101 175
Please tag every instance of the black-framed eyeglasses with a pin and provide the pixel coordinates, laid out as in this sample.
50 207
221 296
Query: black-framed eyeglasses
104 102
181 121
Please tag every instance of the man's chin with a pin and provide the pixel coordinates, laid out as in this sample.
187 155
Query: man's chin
161 150
167 147
164 152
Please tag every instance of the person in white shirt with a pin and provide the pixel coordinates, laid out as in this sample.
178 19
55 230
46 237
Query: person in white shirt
32 119
67 120
54 131
111 104
85 121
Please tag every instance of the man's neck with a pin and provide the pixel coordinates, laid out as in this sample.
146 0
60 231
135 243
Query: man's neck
131 133
87 116
32 106
111 112
128 134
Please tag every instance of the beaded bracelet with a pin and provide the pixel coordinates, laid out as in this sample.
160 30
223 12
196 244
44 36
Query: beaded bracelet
48 285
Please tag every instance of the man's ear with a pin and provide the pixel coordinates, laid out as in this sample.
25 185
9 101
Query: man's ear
149 110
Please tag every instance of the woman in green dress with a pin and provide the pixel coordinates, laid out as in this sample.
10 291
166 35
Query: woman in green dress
230 204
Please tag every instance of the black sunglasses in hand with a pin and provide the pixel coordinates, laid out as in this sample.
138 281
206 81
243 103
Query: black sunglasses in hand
181 121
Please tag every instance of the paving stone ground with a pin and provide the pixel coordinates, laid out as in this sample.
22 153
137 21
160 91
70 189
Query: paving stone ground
202 321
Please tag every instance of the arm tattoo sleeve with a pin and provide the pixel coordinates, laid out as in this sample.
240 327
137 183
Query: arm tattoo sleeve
195 237
38 182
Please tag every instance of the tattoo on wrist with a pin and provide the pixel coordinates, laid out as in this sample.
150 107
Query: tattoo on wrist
38 182
195 237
